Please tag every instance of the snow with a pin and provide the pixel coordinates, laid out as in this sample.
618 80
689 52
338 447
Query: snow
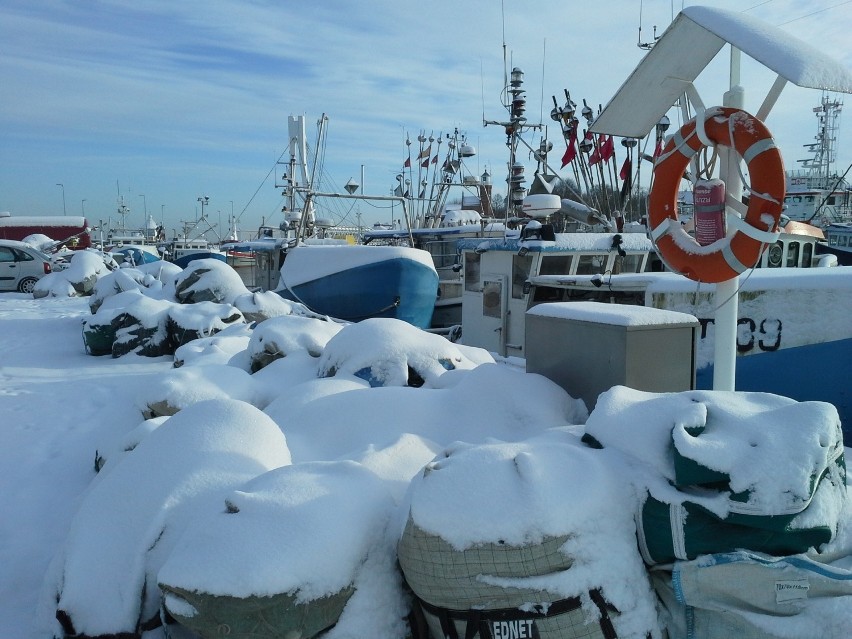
615 315
285 479
746 436
794 59
594 242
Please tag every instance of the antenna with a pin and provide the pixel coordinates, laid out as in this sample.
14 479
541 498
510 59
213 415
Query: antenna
541 99
503 26
482 90
639 43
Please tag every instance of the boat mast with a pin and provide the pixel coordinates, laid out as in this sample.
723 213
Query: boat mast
297 178
824 151
517 122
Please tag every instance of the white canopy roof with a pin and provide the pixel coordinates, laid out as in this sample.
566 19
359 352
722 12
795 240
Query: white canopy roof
687 47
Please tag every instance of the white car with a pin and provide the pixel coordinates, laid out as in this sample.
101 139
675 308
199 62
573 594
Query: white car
21 266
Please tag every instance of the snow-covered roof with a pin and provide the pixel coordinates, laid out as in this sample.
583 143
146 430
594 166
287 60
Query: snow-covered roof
688 46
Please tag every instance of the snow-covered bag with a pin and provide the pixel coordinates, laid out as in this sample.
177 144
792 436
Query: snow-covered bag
292 553
722 470
103 582
747 595
529 539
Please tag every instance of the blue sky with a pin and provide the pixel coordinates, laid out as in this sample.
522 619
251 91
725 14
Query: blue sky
164 102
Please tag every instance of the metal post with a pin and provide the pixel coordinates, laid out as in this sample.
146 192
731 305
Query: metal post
727 299
62 186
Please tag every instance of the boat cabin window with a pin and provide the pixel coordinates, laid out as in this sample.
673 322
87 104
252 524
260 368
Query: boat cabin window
471 271
841 240
833 240
263 260
521 265
793 254
604 295
830 199
591 264
809 198
555 265
631 263
776 253
807 255
443 252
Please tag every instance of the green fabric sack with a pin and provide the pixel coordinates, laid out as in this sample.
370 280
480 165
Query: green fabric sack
668 532
98 338
280 615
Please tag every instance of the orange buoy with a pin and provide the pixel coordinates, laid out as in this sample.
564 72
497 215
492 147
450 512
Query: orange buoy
724 259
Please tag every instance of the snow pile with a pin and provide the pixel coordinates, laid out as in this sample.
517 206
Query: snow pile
477 455
405 355
209 280
79 279
286 334
137 507
139 309
292 516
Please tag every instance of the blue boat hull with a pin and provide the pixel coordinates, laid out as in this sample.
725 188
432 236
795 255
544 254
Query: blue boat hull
184 260
805 373
397 288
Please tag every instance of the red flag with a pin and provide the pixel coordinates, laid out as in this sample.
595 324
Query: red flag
627 185
425 163
625 169
607 148
407 163
571 151
603 151
435 160
659 150
595 156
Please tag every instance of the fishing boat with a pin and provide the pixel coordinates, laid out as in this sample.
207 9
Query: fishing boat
134 254
112 235
816 193
183 251
192 244
793 333
453 204
790 330
337 277
496 273
838 242
234 257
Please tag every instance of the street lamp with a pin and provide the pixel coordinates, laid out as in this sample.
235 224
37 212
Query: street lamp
63 198
204 200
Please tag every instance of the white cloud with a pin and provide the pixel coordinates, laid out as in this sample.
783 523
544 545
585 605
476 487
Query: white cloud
176 99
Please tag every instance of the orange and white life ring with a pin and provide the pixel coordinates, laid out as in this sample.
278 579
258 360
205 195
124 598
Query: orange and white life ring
724 259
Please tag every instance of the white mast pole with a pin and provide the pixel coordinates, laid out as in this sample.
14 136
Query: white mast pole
727 299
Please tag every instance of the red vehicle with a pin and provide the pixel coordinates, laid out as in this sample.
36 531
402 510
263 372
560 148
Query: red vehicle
72 231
